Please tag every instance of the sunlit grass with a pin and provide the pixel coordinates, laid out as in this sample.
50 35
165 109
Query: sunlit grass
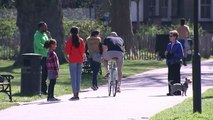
184 110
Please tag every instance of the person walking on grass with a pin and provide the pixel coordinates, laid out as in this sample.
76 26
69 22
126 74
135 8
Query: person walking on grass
52 68
75 49
40 37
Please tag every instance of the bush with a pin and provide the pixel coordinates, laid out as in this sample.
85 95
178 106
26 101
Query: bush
7 27
85 27
153 29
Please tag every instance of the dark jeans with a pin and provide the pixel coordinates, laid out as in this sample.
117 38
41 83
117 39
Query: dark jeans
44 75
51 88
174 75
95 68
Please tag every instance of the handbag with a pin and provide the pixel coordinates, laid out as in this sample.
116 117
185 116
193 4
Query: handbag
96 57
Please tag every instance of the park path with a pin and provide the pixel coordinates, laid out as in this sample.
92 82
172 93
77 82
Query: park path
142 96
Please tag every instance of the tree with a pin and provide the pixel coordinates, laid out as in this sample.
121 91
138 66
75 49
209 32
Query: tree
138 21
7 3
121 23
77 3
30 13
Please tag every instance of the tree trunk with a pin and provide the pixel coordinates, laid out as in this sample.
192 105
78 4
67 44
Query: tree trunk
138 15
121 23
30 13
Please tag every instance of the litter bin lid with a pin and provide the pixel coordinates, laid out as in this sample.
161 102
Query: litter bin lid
31 54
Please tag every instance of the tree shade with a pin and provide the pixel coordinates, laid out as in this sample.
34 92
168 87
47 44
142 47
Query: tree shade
30 13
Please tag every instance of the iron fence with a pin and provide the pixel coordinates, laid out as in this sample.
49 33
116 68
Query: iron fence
144 48
9 45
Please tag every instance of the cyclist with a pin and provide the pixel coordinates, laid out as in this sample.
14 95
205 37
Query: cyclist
113 47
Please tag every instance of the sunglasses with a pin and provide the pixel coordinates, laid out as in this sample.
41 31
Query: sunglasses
171 36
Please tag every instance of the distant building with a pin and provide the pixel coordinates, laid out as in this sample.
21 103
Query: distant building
170 11
156 11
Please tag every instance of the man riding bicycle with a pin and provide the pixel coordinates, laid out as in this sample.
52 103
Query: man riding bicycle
113 48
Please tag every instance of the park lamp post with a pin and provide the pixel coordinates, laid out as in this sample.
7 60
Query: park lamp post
196 64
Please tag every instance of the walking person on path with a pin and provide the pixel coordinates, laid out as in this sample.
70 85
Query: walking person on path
52 68
75 49
40 37
94 46
174 55
184 33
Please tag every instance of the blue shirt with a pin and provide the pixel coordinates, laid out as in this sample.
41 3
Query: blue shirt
177 51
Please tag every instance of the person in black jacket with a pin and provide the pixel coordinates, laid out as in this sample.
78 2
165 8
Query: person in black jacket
113 47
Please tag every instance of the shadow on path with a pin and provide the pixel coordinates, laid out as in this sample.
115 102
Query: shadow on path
158 77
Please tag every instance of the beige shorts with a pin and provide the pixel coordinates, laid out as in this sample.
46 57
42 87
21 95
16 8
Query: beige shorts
186 44
114 54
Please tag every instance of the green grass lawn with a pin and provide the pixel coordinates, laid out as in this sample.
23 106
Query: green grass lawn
184 110
63 85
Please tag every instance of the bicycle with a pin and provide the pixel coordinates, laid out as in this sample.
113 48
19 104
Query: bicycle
113 78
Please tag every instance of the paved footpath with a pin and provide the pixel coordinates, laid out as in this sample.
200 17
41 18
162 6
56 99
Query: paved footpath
142 96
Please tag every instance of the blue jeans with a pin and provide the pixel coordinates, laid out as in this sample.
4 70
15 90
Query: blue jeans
75 74
95 69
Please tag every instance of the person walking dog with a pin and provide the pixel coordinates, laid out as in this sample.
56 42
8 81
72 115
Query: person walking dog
174 55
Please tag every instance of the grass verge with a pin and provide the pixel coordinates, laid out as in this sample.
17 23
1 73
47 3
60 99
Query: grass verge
184 110
63 85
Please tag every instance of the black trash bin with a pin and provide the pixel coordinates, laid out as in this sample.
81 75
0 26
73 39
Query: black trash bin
162 41
31 73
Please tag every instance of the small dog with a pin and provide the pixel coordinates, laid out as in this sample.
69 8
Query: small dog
180 87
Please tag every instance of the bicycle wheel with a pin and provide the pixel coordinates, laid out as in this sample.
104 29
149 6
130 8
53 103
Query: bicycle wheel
110 82
114 91
114 83
109 87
